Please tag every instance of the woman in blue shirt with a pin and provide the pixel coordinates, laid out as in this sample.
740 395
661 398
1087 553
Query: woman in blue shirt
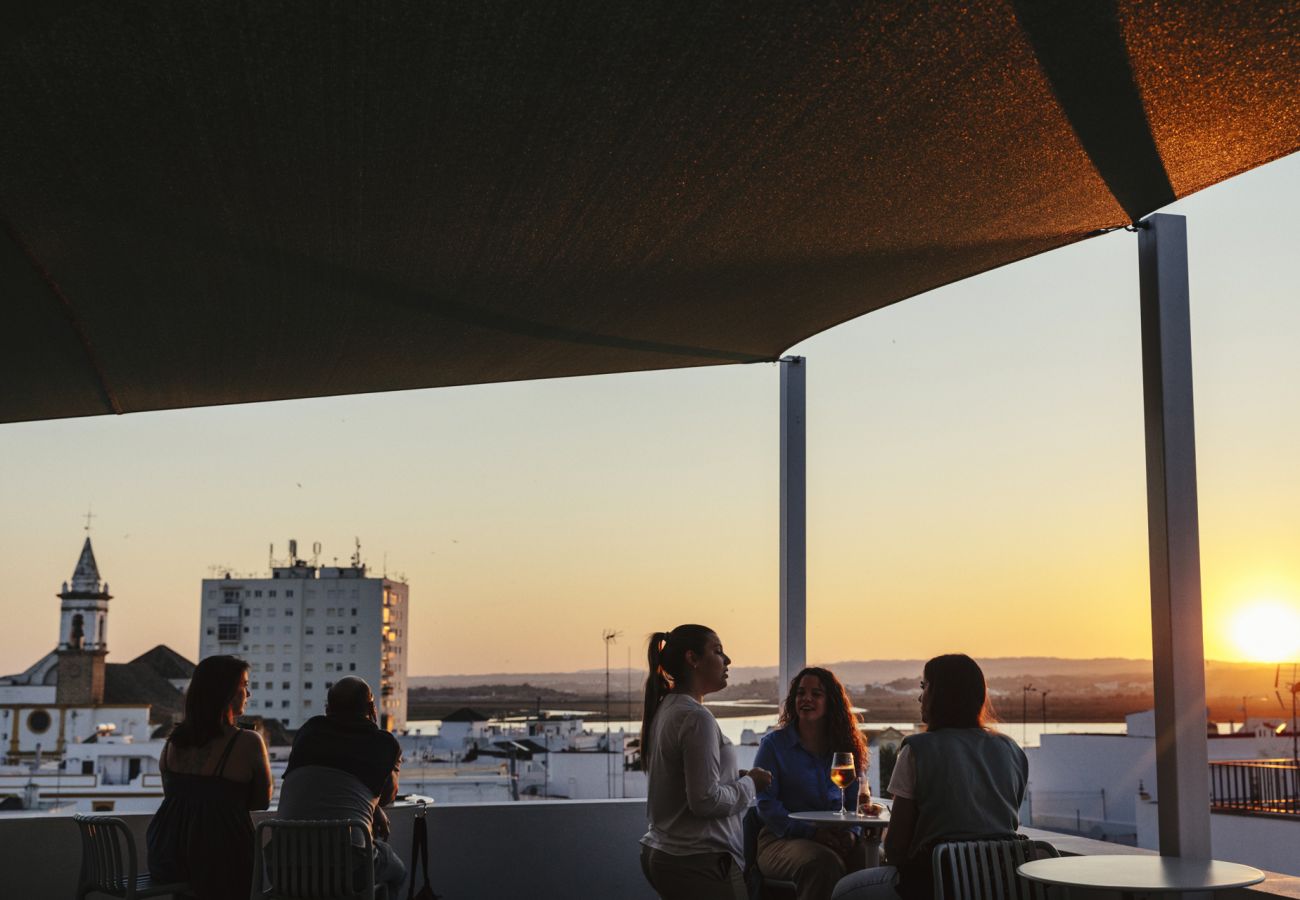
816 723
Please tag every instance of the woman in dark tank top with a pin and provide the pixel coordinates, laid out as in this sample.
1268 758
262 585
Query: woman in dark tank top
957 780
213 773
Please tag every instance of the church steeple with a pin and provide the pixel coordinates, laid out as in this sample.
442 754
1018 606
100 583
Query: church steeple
85 578
84 613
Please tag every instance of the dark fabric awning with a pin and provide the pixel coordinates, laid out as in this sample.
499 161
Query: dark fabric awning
216 202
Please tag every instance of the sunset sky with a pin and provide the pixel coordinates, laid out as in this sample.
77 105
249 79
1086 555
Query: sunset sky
975 464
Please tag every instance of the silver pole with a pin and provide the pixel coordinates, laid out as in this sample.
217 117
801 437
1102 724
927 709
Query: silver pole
1177 642
794 523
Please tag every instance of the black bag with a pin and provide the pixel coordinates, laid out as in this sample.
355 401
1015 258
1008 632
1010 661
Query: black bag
420 860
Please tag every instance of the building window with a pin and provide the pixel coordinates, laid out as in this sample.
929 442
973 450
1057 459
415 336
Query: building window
352 667
311 611
252 685
310 629
211 630
227 631
102 805
270 593
286 667
310 648
284 685
284 704
288 593
306 704
328 685
287 612
38 721
354 610
269 667
270 612
257 593
306 685
306 667
257 612
354 629
267 704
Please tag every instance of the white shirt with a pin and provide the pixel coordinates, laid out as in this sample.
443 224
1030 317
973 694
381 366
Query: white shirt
696 795
903 782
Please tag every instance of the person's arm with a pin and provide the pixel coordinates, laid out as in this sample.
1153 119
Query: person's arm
259 788
389 793
710 792
902 818
902 826
773 812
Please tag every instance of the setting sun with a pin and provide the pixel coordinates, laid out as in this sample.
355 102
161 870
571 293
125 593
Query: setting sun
1267 631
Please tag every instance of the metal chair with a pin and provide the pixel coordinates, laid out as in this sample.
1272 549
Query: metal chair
760 888
109 863
314 860
986 870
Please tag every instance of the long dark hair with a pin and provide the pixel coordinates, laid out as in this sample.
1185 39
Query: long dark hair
666 656
212 687
959 697
841 723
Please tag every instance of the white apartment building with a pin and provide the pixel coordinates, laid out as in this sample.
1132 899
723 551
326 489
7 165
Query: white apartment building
305 627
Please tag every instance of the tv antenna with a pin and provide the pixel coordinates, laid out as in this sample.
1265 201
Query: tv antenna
315 552
1294 689
356 557
609 636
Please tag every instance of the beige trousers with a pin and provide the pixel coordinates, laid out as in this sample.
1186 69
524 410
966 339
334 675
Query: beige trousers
814 868
700 876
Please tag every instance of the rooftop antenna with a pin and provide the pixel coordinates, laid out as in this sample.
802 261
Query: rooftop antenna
609 636
356 557
293 552
1294 689
385 563
315 553
270 556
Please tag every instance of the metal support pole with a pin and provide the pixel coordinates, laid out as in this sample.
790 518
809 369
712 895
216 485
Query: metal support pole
794 523
1177 642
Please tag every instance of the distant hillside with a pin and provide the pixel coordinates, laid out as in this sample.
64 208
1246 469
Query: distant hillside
1222 678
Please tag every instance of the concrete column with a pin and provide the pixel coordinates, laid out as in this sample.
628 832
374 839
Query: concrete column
793 625
1177 645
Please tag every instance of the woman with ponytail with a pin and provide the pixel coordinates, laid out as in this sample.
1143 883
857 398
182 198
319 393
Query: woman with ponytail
697 796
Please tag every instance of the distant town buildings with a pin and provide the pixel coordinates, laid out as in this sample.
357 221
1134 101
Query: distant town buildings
305 627
73 694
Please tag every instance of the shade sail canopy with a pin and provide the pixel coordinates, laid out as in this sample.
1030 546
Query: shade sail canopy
211 202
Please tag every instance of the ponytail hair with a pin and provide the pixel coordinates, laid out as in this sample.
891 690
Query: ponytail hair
666 657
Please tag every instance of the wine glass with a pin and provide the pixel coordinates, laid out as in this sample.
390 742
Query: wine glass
842 775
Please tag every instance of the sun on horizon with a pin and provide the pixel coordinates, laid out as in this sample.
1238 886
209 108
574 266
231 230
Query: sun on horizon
1267 631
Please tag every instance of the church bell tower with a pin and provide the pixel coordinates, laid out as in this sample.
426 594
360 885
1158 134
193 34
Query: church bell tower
83 634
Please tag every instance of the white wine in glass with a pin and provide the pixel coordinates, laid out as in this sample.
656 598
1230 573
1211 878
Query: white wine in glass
842 775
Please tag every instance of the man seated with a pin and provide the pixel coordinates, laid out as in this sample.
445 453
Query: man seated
343 766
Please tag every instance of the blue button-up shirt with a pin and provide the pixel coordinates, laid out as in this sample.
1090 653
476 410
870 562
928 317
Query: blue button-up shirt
801 782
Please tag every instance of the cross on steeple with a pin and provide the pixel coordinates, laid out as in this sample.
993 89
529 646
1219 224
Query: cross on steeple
89 515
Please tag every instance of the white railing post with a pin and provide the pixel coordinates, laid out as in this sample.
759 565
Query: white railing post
1177 642
794 523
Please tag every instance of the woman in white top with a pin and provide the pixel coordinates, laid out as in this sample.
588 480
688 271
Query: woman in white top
697 795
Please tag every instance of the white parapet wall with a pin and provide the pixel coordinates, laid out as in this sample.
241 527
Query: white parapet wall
557 849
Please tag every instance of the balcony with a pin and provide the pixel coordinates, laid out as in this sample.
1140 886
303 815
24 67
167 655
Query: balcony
553 849
1268 787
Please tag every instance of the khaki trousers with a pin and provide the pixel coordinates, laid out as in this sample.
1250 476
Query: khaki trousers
700 876
814 868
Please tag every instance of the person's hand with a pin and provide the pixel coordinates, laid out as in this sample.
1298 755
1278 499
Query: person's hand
762 778
836 839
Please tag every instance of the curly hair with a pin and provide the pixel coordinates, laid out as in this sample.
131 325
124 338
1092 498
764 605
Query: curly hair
841 722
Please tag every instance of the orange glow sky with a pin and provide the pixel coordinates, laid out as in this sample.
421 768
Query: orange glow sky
976 481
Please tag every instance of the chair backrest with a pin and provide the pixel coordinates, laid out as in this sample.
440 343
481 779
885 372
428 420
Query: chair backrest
108 860
986 870
313 860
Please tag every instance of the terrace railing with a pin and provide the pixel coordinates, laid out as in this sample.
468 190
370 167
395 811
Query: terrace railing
1264 787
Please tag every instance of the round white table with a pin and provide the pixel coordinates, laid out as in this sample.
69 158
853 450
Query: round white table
1141 874
871 827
